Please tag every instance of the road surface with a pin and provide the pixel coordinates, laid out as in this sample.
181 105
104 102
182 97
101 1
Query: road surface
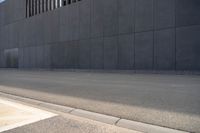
166 100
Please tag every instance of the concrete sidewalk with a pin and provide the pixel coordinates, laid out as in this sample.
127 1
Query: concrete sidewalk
18 117
23 106
13 115
166 100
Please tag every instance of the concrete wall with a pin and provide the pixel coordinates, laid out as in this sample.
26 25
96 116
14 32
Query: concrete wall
105 34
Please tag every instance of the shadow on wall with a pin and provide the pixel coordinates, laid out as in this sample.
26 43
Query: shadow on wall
11 58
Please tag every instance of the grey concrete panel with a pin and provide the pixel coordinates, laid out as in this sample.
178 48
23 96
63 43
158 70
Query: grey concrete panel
23 58
26 33
97 53
1 38
64 24
14 35
164 13
22 33
74 22
69 26
110 17
110 52
40 56
126 16
2 59
14 11
144 15
32 57
5 35
84 54
57 56
10 35
21 61
26 59
126 51
30 32
85 19
165 49
188 48
144 50
71 54
19 10
187 12
97 17
34 32
11 7
47 56
52 26
8 16
40 30
1 15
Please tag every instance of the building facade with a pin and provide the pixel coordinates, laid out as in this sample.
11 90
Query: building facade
100 34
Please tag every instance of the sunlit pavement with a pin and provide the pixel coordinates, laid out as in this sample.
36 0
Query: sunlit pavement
13 115
19 118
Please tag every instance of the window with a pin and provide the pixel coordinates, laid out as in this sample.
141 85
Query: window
34 7
64 2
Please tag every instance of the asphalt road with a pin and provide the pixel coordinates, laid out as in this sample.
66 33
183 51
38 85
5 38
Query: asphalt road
166 100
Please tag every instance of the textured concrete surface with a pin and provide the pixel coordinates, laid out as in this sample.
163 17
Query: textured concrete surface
120 122
22 117
95 116
146 128
69 124
104 34
13 115
165 100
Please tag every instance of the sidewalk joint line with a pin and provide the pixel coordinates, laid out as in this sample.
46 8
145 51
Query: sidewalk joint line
70 112
117 121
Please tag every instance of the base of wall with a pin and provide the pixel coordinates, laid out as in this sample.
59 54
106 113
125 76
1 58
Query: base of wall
167 72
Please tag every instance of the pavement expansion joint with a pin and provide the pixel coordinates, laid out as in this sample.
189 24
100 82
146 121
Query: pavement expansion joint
72 110
117 121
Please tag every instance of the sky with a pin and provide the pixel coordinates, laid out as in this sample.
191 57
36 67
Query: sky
1 1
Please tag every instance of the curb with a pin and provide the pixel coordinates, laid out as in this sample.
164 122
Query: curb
95 116
146 128
128 124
